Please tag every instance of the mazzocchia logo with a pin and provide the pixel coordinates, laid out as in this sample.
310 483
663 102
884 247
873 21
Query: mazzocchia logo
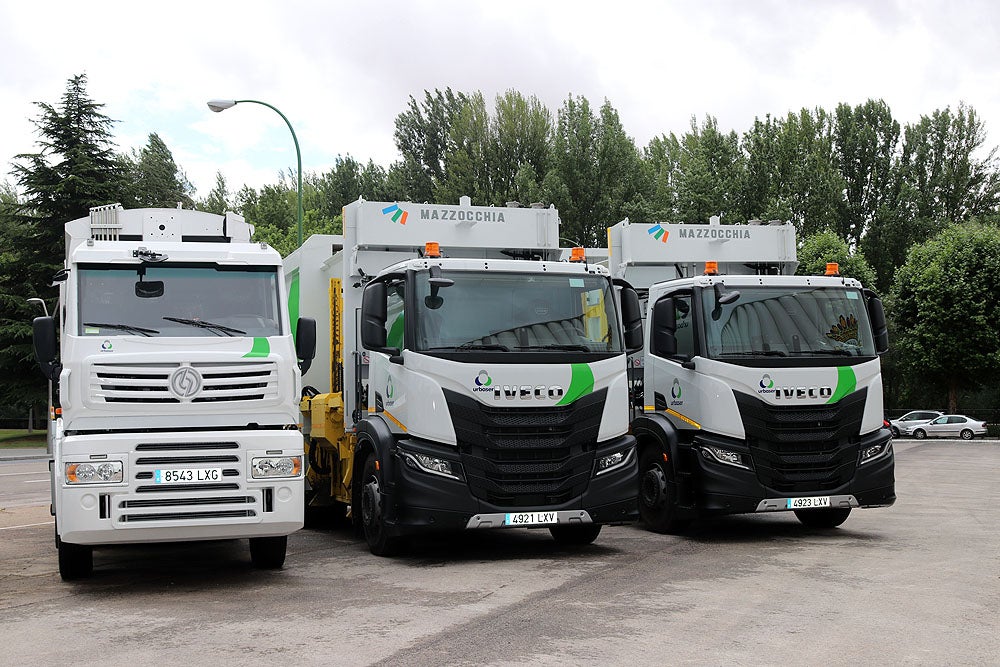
397 214
658 232
483 381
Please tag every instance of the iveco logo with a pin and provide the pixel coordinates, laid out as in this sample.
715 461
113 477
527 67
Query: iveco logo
527 392
185 382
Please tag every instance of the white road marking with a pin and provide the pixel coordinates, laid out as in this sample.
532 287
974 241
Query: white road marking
29 525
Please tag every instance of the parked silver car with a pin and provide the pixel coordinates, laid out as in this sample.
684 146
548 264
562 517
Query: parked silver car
911 419
946 426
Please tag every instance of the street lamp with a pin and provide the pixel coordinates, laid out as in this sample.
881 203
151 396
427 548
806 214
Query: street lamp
221 105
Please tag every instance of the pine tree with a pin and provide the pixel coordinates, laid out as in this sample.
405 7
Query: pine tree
76 168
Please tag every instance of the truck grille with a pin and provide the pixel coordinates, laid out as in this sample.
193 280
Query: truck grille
206 501
524 456
150 383
803 448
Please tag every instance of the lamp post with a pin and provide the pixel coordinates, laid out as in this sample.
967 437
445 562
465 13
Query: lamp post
221 105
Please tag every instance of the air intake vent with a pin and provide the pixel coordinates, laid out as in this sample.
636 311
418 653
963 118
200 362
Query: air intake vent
104 224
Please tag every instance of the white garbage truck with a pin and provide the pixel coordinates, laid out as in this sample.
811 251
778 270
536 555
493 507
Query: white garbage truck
761 391
465 378
178 386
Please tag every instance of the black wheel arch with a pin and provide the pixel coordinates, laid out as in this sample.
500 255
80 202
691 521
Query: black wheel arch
374 435
655 428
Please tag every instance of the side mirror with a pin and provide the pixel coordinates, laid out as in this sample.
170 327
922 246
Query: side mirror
876 313
631 319
46 346
305 342
373 318
665 327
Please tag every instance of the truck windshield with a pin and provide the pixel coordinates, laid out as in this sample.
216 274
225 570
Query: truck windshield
178 300
787 321
517 313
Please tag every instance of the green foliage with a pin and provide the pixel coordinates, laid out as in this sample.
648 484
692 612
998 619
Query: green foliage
154 179
817 249
709 171
945 305
75 168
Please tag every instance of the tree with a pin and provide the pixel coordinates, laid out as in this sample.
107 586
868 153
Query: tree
422 137
710 167
156 180
816 250
76 168
945 305
218 200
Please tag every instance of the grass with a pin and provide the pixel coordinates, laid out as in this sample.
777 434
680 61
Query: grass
12 438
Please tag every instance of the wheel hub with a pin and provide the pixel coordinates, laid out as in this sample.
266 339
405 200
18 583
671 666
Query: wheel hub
653 487
371 502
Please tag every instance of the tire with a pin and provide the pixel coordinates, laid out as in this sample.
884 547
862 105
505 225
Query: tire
373 525
895 431
967 434
657 494
576 534
919 434
76 561
826 518
268 553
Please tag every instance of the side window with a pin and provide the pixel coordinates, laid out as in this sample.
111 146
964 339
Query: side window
394 323
956 420
685 325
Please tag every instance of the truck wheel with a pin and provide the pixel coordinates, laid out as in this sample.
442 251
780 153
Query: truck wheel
919 434
76 561
575 534
268 553
966 434
657 500
373 523
826 518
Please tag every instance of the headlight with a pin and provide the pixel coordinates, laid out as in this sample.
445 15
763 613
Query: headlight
432 464
276 466
869 454
614 461
725 456
94 473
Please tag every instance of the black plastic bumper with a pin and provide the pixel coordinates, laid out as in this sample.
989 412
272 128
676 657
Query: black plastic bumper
419 501
726 489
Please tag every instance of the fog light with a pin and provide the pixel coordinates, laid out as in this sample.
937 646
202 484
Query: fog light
614 461
276 466
725 456
869 454
88 473
431 464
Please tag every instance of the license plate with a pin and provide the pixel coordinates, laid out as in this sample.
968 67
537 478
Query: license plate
529 518
810 502
187 475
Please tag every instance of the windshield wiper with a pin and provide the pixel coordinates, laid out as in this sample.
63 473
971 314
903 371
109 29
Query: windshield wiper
754 353
211 326
841 353
123 327
557 346
481 346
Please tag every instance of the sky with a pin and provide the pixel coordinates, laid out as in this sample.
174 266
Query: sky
342 71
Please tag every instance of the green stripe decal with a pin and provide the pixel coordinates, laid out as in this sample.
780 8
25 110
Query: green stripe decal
581 383
293 302
847 382
261 348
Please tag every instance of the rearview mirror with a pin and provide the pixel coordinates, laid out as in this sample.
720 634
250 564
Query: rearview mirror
46 346
631 319
305 342
876 313
665 327
149 289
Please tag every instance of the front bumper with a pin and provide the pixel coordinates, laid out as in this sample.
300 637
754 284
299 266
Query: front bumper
138 510
726 489
421 502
